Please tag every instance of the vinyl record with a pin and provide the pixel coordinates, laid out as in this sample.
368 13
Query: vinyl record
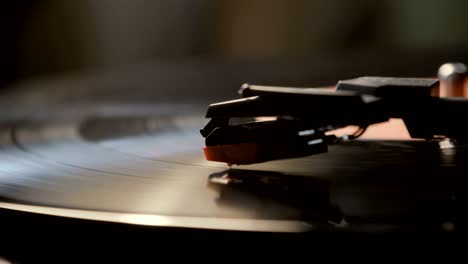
144 165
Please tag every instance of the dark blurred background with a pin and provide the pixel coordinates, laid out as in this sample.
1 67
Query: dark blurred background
186 44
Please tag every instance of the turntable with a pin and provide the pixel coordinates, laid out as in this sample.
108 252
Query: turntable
134 175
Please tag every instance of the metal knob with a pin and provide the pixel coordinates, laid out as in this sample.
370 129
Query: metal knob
452 79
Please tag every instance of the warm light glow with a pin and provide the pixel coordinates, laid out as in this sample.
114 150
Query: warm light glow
394 129
141 219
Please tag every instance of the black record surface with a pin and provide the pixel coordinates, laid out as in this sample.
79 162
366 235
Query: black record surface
144 165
